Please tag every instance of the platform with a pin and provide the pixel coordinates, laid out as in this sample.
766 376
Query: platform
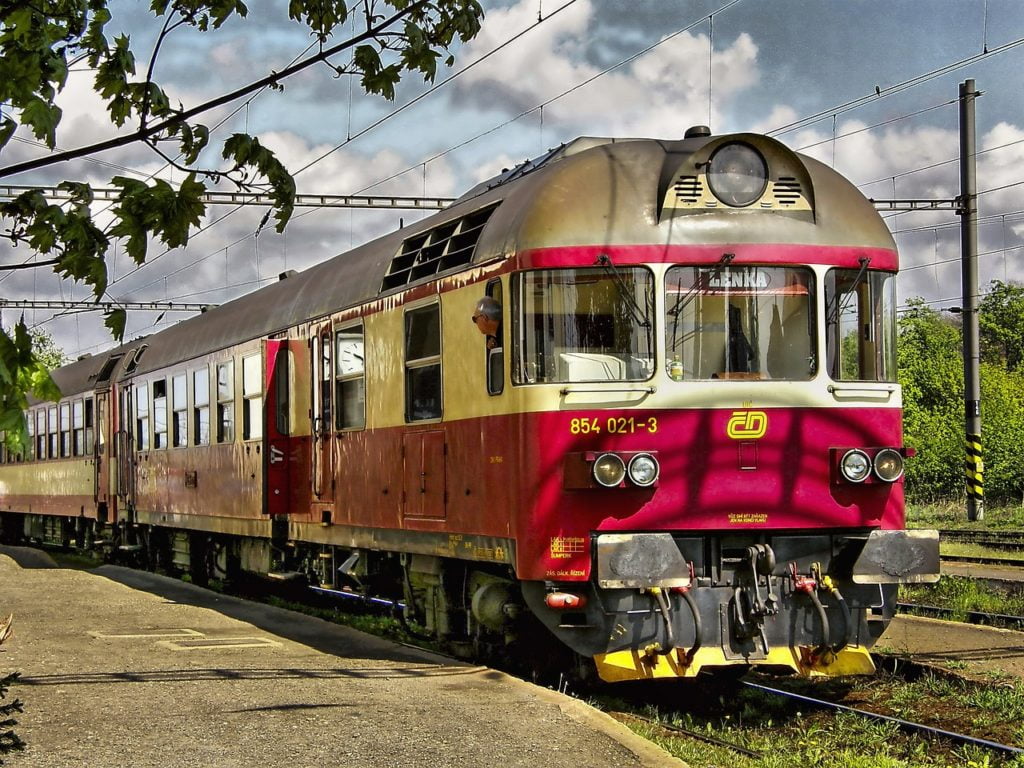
125 668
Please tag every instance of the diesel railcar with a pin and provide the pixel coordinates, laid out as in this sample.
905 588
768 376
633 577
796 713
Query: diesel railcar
638 396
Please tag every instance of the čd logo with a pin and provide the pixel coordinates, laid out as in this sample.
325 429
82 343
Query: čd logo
747 425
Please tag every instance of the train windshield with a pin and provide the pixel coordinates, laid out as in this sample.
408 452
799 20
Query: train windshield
593 324
860 341
725 322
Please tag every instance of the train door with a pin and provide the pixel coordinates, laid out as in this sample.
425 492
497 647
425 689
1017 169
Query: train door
277 427
323 443
125 446
96 441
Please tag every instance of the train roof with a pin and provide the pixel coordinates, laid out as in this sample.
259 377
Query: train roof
591 191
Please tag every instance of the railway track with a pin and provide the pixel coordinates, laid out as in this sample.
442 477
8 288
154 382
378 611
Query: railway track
904 725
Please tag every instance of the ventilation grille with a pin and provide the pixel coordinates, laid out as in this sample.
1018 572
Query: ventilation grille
688 189
450 245
786 191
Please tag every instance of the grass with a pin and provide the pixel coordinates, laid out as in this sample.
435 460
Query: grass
788 733
961 594
979 550
953 514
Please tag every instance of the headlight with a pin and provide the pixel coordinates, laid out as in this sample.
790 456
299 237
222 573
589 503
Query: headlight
643 470
737 175
855 466
888 465
609 470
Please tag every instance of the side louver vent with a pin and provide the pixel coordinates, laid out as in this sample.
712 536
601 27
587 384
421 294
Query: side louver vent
688 189
787 191
449 245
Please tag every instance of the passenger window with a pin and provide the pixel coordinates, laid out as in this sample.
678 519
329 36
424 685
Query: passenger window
252 394
40 434
30 430
51 431
65 430
226 402
201 406
160 413
423 363
89 425
179 406
350 387
142 417
78 425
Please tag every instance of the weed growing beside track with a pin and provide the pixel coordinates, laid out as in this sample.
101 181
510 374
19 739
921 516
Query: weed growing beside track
788 733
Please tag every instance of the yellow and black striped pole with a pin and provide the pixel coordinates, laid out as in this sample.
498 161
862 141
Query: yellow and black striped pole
968 205
974 467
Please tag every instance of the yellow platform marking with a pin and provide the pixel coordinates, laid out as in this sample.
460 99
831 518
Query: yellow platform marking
216 643
155 634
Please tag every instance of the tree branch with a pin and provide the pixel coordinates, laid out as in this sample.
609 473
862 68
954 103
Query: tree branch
143 133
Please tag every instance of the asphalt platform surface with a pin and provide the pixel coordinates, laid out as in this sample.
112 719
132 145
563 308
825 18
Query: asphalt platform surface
123 668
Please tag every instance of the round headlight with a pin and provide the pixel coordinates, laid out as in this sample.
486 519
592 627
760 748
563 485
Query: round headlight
643 469
888 465
855 466
737 175
609 470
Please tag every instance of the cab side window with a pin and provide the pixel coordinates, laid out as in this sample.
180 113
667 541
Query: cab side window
423 363
496 348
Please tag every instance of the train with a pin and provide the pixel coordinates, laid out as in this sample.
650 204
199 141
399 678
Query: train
632 404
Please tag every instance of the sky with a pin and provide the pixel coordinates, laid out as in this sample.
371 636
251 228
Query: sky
869 87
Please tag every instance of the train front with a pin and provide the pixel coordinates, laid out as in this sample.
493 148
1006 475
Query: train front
711 447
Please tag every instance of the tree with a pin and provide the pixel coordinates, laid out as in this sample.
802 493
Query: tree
931 373
932 378
1001 324
39 41
46 350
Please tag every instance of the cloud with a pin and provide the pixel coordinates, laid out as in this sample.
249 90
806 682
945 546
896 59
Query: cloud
658 93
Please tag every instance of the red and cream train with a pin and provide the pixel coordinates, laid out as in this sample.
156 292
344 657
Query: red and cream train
676 442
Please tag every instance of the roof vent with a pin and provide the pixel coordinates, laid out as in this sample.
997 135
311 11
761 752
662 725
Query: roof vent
444 247
697 132
285 275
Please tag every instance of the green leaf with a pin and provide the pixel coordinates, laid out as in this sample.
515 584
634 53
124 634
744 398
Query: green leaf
115 320
7 128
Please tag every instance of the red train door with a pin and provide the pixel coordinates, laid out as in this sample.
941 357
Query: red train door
323 416
95 432
279 457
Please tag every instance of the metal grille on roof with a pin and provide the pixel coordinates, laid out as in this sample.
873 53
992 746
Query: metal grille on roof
449 245
787 191
688 189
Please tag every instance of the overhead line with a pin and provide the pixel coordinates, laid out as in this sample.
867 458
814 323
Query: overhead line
576 87
433 88
892 90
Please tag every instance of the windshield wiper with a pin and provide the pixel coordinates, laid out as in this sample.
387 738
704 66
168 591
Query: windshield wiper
641 317
691 292
833 318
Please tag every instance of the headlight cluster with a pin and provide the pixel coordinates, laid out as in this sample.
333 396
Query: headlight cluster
856 466
610 470
737 174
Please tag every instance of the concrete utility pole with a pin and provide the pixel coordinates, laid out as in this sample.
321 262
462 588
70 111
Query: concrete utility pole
974 466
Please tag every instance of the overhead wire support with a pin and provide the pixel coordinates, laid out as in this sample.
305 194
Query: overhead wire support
8 192
153 306
909 204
